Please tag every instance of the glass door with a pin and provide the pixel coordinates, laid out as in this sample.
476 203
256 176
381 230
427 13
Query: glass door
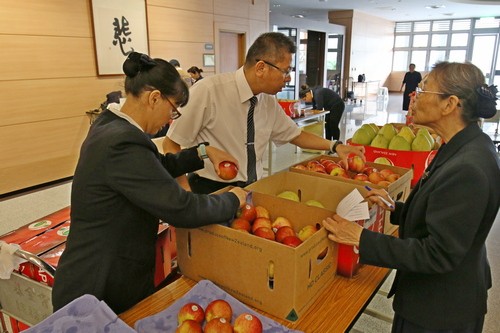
484 49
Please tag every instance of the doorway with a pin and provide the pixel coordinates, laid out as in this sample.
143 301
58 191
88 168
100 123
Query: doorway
232 51
315 64
484 50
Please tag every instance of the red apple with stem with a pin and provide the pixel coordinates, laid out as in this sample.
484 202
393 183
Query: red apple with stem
247 323
241 224
190 311
218 308
284 232
227 170
218 325
189 326
247 212
261 222
265 232
355 163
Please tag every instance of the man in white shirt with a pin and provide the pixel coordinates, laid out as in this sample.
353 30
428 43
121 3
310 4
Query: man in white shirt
218 108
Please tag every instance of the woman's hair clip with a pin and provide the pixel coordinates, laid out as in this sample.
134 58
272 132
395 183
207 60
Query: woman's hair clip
146 60
488 92
486 103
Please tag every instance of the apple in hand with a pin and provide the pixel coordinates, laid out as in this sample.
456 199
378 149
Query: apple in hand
279 222
228 170
261 212
265 232
218 308
307 232
284 232
247 323
241 224
292 241
247 212
355 163
218 325
190 311
189 326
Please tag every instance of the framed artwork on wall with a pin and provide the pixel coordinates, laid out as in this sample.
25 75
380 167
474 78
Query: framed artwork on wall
208 60
120 27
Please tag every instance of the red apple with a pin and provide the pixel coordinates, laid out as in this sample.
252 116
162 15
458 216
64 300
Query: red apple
292 241
361 177
247 212
300 167
279 222
264 232
241 224
218 325
339 172
393 177
261 212
375 177
190 311
355 163
247 323
228 170
386 172
307 232
189 326
218 308
284 232
331 166
367 170
384 183
311 164
261 222
318 168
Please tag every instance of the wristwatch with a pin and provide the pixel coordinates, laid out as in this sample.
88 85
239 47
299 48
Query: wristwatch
333 149
202 150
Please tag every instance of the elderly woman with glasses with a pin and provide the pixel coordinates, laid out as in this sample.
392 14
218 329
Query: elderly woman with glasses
443 275
123 186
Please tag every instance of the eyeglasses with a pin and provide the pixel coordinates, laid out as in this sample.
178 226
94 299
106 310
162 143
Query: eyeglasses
286 73
419 91
175 113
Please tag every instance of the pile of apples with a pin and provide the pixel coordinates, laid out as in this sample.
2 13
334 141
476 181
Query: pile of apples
256 220
355 169
217 318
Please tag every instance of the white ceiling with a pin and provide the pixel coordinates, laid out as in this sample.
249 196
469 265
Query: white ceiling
392 10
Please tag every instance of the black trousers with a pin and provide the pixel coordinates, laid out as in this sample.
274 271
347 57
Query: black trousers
203 185
332 121
401 325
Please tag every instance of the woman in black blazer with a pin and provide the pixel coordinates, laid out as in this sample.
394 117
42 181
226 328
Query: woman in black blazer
123 186
443 275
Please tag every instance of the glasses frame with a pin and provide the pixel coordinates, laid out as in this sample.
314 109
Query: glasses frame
175 114
286 73
419 91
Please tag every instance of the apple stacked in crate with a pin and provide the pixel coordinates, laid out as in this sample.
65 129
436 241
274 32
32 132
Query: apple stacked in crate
398 144
327 193
255 268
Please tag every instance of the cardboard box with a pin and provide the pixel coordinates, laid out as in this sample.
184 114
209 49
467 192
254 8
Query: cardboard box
37 227
51 257
329 193
267 275
415 160
398 190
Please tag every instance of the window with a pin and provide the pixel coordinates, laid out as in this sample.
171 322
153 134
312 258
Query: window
459 39
420 40
439 40
402 41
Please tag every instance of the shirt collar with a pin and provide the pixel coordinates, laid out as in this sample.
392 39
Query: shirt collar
244 90
116 109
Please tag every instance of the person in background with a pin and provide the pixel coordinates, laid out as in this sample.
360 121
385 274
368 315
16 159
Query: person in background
184 75
410 82
325 99
195 73
123 186
443 275
219 110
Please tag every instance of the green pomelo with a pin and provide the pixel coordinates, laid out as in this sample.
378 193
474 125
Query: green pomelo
399 143
380 141
361 137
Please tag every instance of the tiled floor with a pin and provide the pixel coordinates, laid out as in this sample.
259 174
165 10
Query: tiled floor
23 209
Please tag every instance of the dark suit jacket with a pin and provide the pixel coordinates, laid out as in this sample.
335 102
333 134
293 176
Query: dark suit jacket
443 273
121 188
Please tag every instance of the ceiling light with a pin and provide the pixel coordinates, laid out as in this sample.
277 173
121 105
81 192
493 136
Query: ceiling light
434 6
298 16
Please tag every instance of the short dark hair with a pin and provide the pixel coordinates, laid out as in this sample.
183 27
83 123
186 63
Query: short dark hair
143 73
304 89
195 70
270 46
175 62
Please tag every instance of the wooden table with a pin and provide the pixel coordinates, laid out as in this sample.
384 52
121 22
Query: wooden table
336 310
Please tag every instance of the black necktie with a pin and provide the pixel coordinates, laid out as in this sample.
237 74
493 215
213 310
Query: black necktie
251 171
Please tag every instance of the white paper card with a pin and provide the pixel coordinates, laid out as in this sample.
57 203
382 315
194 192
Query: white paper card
353 208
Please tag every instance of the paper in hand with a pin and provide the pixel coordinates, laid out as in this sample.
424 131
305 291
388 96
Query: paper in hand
353 208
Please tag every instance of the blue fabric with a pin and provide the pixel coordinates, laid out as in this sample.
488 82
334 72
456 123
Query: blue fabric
85 314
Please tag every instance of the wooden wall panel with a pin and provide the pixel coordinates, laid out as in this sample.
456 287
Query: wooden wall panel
234 8
180 25
49 18
259 11
41 152
36 57
38 100
206 6
188 54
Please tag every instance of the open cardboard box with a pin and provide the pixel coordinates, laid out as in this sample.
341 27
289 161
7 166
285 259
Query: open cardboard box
398 190
329 193
267 275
